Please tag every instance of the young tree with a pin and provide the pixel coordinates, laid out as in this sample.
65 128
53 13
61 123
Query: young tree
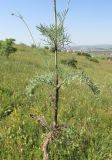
57 38
7 47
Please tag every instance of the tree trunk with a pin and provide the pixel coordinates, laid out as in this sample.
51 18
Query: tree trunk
56 102
56 70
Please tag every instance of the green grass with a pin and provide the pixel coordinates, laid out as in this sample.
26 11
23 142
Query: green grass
89 117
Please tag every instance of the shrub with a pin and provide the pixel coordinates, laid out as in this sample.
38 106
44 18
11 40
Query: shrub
70 62
7 48
33 46
87 54
93 59
46 47
0 47
53 50
78 53
109 58
83 54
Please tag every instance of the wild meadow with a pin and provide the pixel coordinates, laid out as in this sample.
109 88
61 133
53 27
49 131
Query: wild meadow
88 117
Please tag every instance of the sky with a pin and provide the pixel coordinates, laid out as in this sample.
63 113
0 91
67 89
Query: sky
89 22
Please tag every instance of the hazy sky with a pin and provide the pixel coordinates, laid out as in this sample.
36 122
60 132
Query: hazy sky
88 21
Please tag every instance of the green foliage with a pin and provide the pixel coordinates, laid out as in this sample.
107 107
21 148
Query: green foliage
39 80
93 59
56 36
52 49
7 48
83 54
65 79
109 58
78 53
1 44
33 46
93 86
70 62
75 144
50 35
46 47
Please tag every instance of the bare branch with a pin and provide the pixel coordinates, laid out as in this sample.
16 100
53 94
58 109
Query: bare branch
41 120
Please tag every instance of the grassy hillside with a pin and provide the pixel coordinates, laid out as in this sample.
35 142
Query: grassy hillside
88 116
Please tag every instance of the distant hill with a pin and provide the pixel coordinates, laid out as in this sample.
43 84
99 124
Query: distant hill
93 48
